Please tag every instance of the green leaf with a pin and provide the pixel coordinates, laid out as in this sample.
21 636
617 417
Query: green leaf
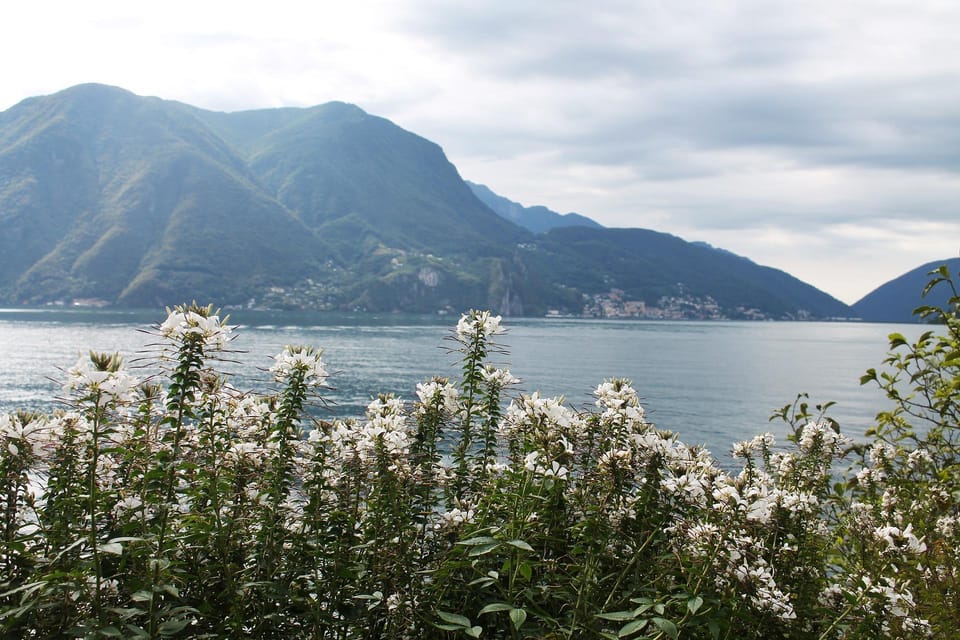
170 588
714 628
694 604
496 606
483 582
525 570
173 627
520 544
112 547
473 632
632 627
667 627
454 618
483 549
471 542
518 617
617 616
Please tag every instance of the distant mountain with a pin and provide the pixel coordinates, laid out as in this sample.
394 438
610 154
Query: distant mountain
895 300
114 198
104 194
649 265
537 218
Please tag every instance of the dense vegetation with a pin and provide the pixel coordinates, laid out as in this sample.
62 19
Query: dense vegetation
143 202
181 506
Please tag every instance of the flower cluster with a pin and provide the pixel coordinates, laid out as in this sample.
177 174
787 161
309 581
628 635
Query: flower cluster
437 392
101 374
300 360
478 324
192 322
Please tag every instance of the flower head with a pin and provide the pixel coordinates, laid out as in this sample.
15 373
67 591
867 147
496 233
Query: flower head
300 359
103 374
196 323
478 324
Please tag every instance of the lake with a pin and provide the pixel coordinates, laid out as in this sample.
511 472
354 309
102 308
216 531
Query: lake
712 382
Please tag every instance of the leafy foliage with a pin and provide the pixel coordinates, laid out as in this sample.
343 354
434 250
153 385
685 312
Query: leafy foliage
181 506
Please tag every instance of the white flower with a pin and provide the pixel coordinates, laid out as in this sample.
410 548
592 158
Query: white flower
761 443
947 526
553 469
182 323
440 391
918 457
476 324
13 428
725 494
899 603
899 540
815 435
97 373
615 459
615 394
499 377
300 359
549 416
384 406
882 453
455 517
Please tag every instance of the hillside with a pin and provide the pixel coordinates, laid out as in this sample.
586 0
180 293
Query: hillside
894 301
536 218
133 201
114 198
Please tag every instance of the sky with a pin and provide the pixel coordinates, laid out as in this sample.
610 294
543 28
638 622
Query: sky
819 137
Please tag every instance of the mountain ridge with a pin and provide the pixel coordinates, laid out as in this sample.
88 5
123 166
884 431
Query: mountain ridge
537 218
896 299
142 201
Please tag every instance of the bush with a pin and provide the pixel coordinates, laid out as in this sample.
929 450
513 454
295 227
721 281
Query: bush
181 506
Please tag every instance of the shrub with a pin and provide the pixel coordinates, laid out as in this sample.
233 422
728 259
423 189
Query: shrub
181 506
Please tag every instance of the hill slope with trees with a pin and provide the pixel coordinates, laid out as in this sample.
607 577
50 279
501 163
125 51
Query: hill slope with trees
112 198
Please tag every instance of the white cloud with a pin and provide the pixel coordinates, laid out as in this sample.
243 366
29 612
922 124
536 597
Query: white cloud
817 137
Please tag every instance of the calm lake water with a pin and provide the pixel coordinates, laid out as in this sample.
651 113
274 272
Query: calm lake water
713 382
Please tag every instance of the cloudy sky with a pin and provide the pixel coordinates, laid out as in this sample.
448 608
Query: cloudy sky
821 137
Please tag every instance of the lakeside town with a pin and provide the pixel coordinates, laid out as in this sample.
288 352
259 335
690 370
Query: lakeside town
682 306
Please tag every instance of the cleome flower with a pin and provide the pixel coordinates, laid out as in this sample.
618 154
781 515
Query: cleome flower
17 432
103 374
500 378
300 359
761 444
478 323
820 436
185 322
437 392
900 540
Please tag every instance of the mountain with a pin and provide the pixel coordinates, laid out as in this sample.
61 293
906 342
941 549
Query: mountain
111 197
537 218
895 300
132 200
649 265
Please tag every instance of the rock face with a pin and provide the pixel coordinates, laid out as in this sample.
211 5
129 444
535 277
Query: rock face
138 201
